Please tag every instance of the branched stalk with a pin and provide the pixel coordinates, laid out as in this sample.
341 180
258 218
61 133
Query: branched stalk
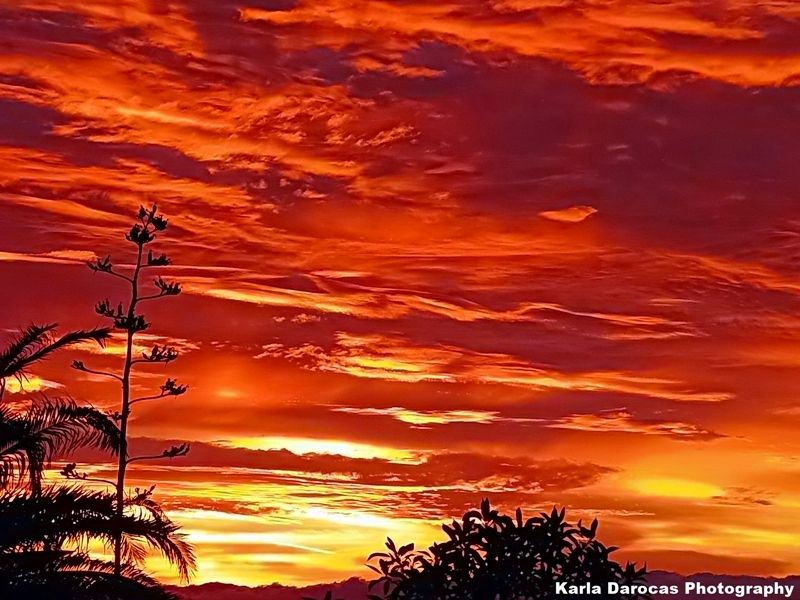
128 320
125 413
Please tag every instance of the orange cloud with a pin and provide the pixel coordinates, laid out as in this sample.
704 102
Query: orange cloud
621 421
617 41
394 359
573 214
428 417
376 213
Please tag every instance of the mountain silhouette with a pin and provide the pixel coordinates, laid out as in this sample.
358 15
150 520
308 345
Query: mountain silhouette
356 589
351 589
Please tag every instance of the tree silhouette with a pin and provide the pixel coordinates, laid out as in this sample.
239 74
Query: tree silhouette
126 318
37 523
490 556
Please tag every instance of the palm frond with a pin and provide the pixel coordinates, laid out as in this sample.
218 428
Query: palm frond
160 533
74 515
39 575
37 342
30 440
28 339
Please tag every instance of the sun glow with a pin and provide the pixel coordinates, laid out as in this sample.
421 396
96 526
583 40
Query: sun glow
29 384
676 488
299 445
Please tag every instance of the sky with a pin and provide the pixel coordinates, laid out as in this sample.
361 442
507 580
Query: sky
544 251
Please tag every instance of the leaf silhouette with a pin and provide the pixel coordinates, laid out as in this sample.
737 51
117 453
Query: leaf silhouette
488 555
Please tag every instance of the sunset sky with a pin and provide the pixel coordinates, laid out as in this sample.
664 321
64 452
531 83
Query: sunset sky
546 251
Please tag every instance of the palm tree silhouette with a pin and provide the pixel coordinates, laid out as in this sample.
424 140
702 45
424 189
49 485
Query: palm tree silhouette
30 438
44 532
36 529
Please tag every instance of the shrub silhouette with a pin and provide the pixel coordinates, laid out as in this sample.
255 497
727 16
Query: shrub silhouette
491 556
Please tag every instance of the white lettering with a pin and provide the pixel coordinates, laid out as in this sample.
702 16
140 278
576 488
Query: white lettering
739 591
